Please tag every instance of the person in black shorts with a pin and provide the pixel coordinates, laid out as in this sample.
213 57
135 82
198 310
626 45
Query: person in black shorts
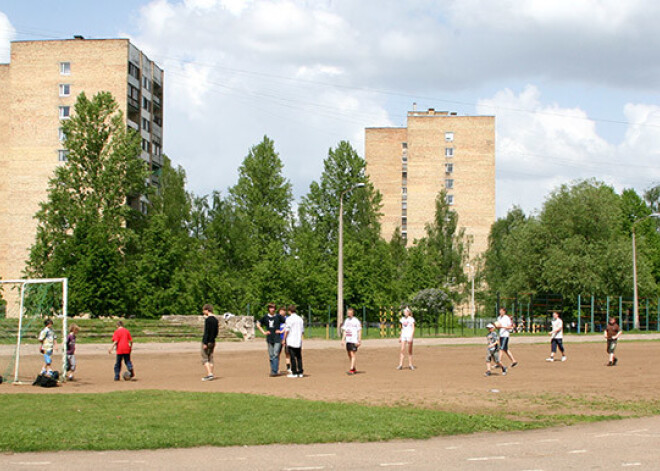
208 340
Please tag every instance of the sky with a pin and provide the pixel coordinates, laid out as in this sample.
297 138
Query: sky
573 84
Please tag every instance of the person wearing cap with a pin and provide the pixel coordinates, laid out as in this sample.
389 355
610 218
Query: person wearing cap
493 350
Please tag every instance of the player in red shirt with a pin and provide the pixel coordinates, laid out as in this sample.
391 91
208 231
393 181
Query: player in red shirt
122 342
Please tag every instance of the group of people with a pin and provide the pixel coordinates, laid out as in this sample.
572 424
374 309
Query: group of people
284 331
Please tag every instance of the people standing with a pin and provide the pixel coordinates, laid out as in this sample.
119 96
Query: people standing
287 356
48 342
557 337
506 326
122 343
493 351
274 325
208 340
351 337
71 351
406 339
612 334
293 336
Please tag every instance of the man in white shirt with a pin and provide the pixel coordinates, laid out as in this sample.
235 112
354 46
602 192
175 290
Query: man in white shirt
505 324
293 335
557 337
351 337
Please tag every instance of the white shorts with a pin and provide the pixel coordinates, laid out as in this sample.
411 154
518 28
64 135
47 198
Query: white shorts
407 338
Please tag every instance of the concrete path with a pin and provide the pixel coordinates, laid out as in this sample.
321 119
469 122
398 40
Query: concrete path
630 444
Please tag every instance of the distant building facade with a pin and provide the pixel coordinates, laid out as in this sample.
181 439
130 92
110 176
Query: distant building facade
436 151
39 89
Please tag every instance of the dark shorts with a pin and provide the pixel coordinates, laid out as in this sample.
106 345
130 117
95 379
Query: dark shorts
351 347
554 343
611 345
207 353
504 343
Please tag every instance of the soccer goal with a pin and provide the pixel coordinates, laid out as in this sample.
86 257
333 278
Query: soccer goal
26 303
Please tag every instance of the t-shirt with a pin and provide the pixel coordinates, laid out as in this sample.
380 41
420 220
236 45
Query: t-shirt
71 344
505 321
492 337
352 327
558 325
295 328
612 330
47 338
210 329
122 336
407 326
273 324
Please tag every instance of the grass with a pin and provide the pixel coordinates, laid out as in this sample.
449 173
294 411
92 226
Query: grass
167 419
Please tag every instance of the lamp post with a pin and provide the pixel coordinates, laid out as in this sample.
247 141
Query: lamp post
634 256
471 272
340 258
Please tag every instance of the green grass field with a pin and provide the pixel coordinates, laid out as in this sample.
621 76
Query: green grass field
166 419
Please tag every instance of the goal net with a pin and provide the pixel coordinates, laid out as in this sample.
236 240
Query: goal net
24 306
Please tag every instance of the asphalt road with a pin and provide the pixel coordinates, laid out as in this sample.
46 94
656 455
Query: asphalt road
631 444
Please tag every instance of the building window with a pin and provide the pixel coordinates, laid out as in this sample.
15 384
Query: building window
449 151
156 148
65 68
62 155
449 183
404 156
404 235
449 168
146 83
65 112
404 223
404 205
449 136
133 70
146 125
61 135
65 89
449 199
145 145
146 104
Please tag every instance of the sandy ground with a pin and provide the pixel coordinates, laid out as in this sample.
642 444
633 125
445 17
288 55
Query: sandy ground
448 376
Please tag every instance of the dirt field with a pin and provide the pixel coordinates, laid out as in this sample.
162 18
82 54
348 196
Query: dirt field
449 377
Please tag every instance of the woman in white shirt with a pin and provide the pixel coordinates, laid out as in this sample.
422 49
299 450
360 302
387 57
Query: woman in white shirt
406 339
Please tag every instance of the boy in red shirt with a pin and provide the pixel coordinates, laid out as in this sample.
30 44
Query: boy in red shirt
122 342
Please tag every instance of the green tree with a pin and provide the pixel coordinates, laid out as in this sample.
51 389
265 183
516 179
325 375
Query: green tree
83 226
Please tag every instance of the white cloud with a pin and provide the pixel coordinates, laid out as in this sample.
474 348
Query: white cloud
7 33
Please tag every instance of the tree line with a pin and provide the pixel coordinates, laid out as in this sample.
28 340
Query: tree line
248 246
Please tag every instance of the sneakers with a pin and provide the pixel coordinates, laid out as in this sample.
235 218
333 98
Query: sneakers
300 375
488 373
291 375
208 378
399 367
616 360
504 369
550 359
563 358
412 367
351 372
272 375
609 363
515 363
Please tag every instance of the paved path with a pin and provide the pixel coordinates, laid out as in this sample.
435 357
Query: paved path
630 444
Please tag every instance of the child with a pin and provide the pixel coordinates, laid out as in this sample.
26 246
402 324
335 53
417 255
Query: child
71 351
48 344
612 334
351 337
557 337
493 350
287 356
406 339
122 342
293 336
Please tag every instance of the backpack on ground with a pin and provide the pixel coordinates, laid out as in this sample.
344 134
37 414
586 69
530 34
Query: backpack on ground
46 381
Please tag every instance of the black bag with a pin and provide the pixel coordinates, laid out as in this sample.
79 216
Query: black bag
45 381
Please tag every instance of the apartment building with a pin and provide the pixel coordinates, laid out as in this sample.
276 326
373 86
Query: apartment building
39 87
437 150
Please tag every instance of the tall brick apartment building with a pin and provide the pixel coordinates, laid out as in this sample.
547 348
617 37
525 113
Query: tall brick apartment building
435 151
39 89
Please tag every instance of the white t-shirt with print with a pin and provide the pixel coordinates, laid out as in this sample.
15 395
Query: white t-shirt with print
407 327
352 326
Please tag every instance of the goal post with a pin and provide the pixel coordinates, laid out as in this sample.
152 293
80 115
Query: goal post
34 301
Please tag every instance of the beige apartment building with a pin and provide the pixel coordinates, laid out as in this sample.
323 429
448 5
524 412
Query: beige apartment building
39 89
437 150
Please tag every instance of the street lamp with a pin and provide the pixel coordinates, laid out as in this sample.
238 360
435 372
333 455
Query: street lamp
340 256
634 255
471 273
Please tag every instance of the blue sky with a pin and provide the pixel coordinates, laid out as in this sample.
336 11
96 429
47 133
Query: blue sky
573 85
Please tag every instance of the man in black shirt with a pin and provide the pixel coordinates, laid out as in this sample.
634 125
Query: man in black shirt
274 324
208 340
